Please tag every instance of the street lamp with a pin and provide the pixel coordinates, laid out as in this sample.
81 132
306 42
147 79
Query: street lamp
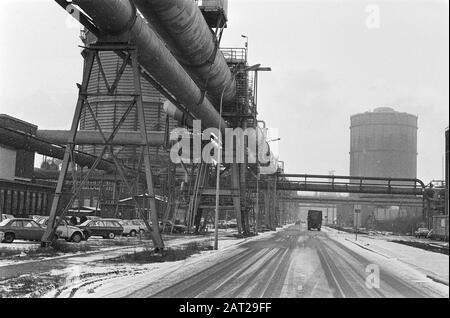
255 87
254 68
257 69
246 45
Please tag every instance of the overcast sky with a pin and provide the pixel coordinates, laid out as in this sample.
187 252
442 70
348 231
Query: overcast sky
327 65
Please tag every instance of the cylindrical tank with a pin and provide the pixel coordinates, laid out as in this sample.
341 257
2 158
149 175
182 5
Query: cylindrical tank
383 144
110 109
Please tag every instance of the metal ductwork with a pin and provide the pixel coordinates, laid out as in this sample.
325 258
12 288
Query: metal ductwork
119 18
19 140
92 137
182 26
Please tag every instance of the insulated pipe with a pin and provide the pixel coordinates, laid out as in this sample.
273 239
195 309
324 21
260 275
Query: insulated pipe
19 140
119 17
92 137
173 111
181 25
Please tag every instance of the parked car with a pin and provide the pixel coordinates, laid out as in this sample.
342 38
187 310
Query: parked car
141 224
65 231
263 228
72 220
6 216
232 224
22 229
422 232
92 217
106 229
222 224
37 218
177 228
129 228
2 236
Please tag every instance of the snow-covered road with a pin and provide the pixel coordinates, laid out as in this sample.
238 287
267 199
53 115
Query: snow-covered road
291 262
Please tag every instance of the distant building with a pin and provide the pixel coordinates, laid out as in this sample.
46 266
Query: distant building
383 143
15 163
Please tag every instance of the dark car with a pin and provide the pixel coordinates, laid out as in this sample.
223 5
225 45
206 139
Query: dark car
232 224
222 224
22 229
107 229
177 228
422 232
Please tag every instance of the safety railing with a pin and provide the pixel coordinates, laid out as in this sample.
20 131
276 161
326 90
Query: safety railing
234 55
347 184
213 4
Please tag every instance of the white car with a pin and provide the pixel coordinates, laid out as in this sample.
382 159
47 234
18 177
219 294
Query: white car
65 231
130 228
6 217
141 224
2 236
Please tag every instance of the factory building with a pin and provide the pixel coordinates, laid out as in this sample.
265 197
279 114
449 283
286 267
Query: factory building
20 195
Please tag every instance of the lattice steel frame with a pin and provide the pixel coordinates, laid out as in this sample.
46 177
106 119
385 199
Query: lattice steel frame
130 57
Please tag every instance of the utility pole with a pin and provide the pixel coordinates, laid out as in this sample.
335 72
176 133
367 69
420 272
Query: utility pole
357 212
257 199
219 161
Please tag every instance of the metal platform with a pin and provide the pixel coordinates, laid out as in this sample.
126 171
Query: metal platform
215 12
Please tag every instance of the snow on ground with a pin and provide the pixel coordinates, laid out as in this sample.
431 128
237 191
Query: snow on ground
19 261
20 245
90 274
121 280
410 262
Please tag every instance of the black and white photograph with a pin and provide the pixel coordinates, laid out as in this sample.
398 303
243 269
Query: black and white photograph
224 155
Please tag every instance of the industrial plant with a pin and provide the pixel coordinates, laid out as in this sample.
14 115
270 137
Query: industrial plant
155 73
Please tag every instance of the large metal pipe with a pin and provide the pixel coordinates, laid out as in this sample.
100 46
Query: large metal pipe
182 26
19 140
118 20
119 17
92 137
175 113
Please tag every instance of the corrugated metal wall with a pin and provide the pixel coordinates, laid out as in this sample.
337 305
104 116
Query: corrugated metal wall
22 199
109 110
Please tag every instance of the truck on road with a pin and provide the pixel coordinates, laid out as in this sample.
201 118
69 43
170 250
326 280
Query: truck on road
314 220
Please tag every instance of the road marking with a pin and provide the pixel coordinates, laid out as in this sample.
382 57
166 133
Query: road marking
324 254
242 274
266 286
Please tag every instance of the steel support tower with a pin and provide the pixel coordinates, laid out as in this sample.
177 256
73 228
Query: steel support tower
91 55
